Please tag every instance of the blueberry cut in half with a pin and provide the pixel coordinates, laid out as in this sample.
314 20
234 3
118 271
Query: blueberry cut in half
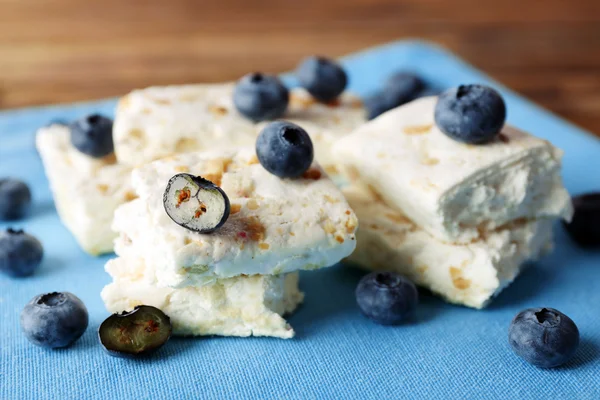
387 298
584 228
284 149
473 114
92 135
54 319
196 203
135 333
20 253
260 97
15 199
323 78
544 337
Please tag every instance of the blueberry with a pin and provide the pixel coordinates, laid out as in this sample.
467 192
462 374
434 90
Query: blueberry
324 79
544 337
54 319
387 297
284 149
376 105
260 97
92 135
585 226
399 89
20 253
196 203
136 333
15 198
470 113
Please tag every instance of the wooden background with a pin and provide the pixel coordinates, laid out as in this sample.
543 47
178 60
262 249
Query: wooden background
67 50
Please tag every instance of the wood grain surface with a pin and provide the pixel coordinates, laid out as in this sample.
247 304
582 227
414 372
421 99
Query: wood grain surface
67 50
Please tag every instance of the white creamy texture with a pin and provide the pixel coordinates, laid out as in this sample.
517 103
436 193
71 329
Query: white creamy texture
453 190
470 274
240 306
86 190
275 226
159 121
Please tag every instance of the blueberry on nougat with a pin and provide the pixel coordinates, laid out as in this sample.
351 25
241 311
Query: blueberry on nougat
323 78
15 198
260 97
284 149
196 203
20 253
136 333
54 319
92 135
472 114
544 337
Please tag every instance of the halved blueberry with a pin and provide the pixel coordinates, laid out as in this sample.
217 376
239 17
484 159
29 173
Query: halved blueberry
135 333
472 114
196 203
54 319
284 149
323 78
260 97
584 228
15 198
387 298
20 253
544 337
92 135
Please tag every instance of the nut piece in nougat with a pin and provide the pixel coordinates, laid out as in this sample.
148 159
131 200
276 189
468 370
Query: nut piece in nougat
86 190
470 274
455 191
239 306
275 225
160 121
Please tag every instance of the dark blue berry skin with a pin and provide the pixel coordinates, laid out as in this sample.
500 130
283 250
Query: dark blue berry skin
260 97
15 199
376 105
20 253
472 114
54 319
399 89
92 135
284 149
544 337
387 298
324 79
584 228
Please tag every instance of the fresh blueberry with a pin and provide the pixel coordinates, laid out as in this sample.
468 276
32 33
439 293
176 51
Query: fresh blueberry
584 228
324 79
403 87
284 149
260 97
54 319
399 89
15 198
376 105
470 113
387 297
196 203
57 121
544 337
135 333
20 253
92 135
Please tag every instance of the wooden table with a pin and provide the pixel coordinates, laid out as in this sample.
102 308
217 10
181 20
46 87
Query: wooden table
66 50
